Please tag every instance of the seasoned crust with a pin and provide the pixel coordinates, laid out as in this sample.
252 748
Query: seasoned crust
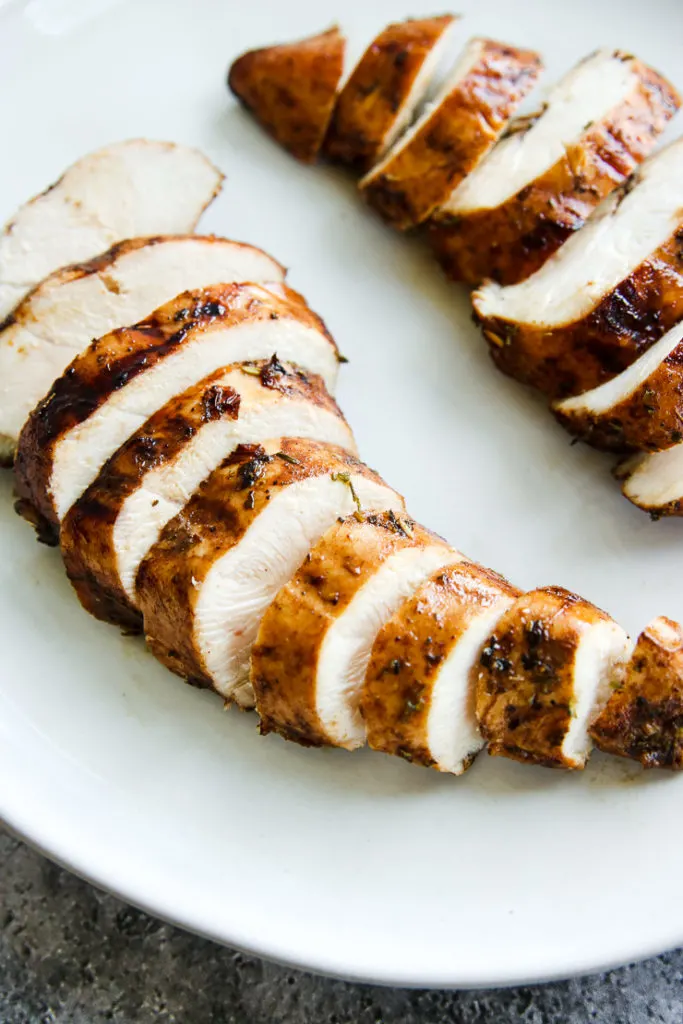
525 692
510 242
643 718
575 357
650 418
410 650
112 361
291 89
463 127
371 100
87 534
213 522
286 656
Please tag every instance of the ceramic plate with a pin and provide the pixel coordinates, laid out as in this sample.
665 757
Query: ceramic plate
355 865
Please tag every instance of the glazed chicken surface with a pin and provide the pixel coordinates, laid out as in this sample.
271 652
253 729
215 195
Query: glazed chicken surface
168 402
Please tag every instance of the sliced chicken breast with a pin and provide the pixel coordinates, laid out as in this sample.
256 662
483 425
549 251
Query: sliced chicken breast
453 134
418 694
204 587
60 317
654 481
124 377
643 718
640 409
113 525
291 89
608 294
545 675
546 176
314 644
125 190
382 94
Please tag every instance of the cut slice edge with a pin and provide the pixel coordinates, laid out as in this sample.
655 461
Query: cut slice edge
346 648
292 523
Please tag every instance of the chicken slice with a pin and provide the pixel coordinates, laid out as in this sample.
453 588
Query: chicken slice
551 170
385 89
124 377
125 190
291 89
643 718
204 587
654 481
149 480
608 294
453 134
315 640
640 409
544 676
418 695
60 317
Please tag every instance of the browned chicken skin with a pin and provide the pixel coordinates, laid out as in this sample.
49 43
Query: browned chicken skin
643 718
371 102
286 660
291 89
87 534
417 177
529 688
212 524
112 361
409 655
507 243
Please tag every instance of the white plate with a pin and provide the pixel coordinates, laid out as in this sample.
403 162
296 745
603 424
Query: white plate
357 865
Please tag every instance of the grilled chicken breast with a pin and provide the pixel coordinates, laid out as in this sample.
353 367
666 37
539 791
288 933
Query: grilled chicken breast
113 525
314 644
418 694
204 587
453 134
643 718
641 409
543 180
654 481
60 317
544 675
605 297
291 89
125 190
124 377
385 89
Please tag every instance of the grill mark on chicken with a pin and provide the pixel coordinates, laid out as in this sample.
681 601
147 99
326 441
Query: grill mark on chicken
59 318
420 172
509 242
88 533
380 88
116 359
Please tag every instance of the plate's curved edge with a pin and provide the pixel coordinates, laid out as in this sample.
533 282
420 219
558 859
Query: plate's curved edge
304 961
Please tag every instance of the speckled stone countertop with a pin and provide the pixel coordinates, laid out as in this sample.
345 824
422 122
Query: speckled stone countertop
71 954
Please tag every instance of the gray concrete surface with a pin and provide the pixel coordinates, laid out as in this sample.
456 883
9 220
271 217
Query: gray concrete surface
71 954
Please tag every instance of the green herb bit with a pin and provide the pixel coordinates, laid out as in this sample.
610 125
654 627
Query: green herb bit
345 478
288 458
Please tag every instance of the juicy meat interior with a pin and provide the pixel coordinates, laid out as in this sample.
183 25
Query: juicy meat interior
627 228
125 190
60 317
